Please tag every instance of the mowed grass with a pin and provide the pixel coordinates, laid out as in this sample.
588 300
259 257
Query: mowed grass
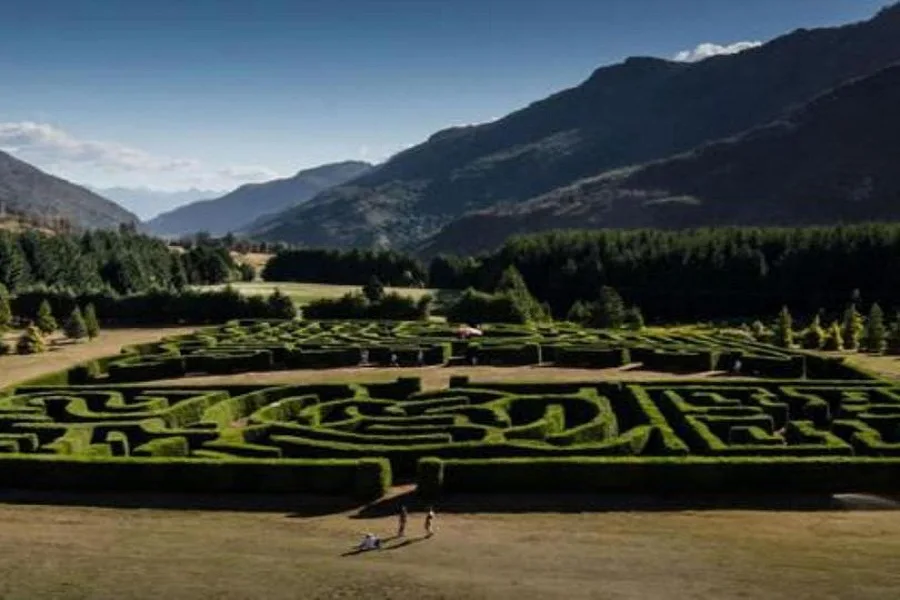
123 553
304 293
63 354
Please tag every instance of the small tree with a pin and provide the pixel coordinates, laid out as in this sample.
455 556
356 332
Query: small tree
876 335
31 341
814 337
610 311
834 340
579 313
374 289
46 324
75 327
893 336
852 328
248 273
784 334
5 309
759 331
634 319
281 306
90 321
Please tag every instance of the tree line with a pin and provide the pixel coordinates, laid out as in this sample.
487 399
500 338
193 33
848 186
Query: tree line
345 267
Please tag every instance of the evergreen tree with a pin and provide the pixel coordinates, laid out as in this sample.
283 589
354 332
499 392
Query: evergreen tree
814 337
46 324
852 328
834 340
634 319
91 323
5 310
512 284
75 326
784 334
281 306
876 336
374 289
610 310
893 336
579 313
31 341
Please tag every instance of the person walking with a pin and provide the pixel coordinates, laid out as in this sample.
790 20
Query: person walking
401 529
429 522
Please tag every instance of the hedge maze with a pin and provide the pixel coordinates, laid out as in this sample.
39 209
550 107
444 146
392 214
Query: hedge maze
804 424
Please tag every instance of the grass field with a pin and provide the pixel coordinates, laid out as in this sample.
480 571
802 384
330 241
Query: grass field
298 552
304 293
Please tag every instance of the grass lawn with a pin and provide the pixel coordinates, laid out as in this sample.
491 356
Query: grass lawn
304 293
304 552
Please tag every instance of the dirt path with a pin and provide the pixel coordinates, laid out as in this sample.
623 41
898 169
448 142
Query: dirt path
78 552
17 368
436 377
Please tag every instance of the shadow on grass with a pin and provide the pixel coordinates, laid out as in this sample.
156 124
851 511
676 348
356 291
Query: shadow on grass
599 503
406 543
296 504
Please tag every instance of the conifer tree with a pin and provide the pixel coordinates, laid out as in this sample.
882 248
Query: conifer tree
834 340
852 328
31 341
46 324
893 336
784 334
75 327
610 312
814 337
579 313
90 321
876 336
281 306
5 309
634 319
374 289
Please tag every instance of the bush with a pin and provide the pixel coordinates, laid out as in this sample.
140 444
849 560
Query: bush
45 322
75 327
31 341
90 321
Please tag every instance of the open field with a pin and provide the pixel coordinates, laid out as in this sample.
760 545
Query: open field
63 354
89 552
304 293
884 366
436 377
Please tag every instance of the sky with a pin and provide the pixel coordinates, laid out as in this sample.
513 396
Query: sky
175 94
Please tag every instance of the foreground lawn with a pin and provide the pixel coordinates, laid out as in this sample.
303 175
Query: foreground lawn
78 552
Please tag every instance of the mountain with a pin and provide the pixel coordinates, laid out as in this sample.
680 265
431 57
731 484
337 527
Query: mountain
640 110
833 160
147 203
27 189
239 208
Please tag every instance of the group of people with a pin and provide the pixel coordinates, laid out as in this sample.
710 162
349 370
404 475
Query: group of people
394 359
373 542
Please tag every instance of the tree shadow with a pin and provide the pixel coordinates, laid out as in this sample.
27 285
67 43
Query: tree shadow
384 548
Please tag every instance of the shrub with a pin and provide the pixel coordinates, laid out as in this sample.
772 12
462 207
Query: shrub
90 321
75 327
280 306
784 334
31 341
834 341
876 336
5 309
852 328
814 337
45 322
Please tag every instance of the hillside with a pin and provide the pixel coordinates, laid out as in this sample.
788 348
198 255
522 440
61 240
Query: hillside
27 189
239 208
640 110
831 161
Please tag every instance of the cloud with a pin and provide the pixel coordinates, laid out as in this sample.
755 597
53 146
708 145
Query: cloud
707 50
55 149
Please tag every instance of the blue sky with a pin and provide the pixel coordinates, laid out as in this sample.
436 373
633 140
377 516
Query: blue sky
171 94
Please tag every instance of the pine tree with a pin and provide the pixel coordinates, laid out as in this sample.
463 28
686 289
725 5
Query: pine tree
610 311
45 321
281 306
91 323
31 341
834 340
579 313
374 289
784 334
5 309
814 337
893 337
876 336
634 319
852 328
75 327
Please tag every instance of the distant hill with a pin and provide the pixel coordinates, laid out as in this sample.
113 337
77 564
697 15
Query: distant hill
832 161
27 189
237 209
147 203
641 110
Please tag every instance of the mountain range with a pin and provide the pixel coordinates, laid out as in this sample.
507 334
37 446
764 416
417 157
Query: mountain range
26 189
240 208
508 173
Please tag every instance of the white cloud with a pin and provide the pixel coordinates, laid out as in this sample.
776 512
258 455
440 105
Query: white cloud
56 150
707 50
